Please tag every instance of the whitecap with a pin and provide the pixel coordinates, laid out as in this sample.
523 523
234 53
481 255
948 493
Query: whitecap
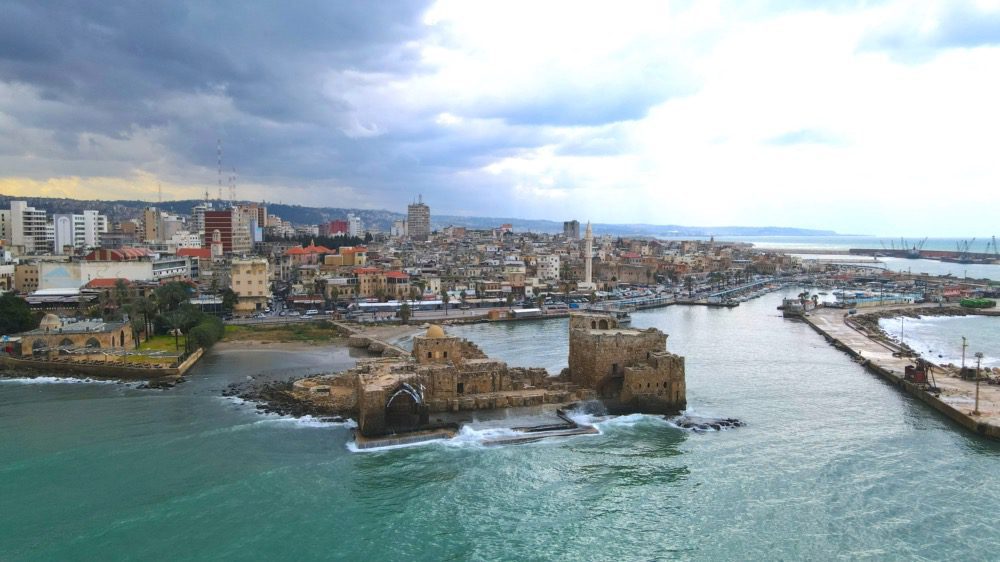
59 380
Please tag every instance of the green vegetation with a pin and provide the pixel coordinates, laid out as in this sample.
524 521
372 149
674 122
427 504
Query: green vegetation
313 332
978 303
15 316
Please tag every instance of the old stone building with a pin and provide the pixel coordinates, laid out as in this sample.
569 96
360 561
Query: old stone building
54 336
630 370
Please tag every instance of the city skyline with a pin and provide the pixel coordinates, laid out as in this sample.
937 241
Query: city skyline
852 117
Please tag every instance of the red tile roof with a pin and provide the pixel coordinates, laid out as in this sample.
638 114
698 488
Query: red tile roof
396 275
104 282
203 253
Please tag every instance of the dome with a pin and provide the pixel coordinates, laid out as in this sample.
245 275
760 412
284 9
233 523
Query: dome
50 322
435 331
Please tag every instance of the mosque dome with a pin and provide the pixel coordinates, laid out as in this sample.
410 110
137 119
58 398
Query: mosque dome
50 322
435 331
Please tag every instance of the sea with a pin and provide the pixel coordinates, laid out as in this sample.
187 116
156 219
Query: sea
833 463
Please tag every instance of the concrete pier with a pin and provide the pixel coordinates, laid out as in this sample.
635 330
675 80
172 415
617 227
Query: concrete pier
957 396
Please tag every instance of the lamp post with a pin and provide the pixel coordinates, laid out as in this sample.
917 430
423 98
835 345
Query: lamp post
979 361
964 345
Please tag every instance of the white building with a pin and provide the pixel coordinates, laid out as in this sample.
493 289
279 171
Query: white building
548 267
354 226
28 232
183 239
398 229
78 231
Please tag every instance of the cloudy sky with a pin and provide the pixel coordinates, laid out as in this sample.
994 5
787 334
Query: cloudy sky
862 117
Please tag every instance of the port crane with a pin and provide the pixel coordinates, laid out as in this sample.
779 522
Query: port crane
963 247
914 251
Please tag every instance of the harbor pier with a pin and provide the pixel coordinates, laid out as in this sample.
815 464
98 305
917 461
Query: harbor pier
954 397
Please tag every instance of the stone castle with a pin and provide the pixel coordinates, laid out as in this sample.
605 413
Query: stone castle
629 370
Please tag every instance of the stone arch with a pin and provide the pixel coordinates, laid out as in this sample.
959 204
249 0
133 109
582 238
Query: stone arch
66 342
121 338
593 324
38 347
93 343
603 324
403 409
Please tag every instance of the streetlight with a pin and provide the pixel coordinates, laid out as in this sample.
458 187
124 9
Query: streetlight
979 361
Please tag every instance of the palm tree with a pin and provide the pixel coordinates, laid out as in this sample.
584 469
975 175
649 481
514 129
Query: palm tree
445 298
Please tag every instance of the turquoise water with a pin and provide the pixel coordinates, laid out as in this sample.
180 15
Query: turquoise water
833 463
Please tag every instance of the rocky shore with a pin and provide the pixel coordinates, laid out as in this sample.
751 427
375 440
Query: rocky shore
277 397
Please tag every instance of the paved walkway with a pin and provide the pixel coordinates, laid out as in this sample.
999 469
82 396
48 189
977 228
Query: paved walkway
955 392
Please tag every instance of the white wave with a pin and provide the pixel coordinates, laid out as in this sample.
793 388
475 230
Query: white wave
353 447
60 380
306 421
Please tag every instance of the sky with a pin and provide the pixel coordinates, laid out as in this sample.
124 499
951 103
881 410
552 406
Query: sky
860 117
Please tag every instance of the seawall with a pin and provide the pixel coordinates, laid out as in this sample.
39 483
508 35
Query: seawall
98 369
879 359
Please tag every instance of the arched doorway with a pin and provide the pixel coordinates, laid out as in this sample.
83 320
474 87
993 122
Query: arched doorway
92 343
402 410
38 347
65 345
603 324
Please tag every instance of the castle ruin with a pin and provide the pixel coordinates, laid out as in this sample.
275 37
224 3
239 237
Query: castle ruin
629 370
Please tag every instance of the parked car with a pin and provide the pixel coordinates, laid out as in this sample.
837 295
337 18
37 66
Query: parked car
312 312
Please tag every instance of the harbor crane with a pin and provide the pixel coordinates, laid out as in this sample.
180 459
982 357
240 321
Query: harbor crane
914 251
963 247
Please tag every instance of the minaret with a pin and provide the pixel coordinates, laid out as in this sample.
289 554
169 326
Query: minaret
588 255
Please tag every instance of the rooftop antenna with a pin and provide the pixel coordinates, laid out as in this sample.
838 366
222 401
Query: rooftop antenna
218 152
232 187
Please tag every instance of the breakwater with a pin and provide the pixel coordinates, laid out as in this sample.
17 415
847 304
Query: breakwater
952 398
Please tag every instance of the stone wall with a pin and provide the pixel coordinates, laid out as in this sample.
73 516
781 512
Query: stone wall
656 387
595 356
437 350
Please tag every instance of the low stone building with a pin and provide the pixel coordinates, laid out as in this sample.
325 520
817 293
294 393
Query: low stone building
53 336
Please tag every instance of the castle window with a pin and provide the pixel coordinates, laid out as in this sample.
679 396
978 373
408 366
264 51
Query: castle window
461 388
429 355
593 324
445 354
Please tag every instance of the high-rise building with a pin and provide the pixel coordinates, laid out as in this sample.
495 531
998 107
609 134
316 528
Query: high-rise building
4 227
230 228
88 228
198 218
571 230
418 220
151 225
29 233
354 226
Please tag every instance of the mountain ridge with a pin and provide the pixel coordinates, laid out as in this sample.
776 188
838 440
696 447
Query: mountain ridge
382 219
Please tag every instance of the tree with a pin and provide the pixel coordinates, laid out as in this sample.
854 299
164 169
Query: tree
404 313
510 299
171 295
15 316
445 298
229 299
176 321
